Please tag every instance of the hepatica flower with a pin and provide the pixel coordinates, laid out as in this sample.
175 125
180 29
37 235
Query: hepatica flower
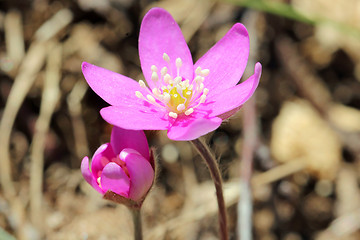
122 166
189 100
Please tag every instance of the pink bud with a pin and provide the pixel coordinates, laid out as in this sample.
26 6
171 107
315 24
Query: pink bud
123 166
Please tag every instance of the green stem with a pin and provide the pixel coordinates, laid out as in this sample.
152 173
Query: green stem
136 215
212 164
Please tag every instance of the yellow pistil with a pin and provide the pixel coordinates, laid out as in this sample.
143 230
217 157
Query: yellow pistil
173 93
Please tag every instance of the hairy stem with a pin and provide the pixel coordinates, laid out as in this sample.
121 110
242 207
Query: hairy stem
211 162
136 215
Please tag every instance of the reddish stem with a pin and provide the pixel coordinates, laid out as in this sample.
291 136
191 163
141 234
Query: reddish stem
212 164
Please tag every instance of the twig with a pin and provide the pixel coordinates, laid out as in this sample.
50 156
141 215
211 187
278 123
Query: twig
50 97
245 203
29 68
244 222
14 37
78 125
212 164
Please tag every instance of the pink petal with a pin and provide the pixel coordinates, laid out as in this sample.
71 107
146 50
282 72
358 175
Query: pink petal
122 138
114 88
192 127
226 60
159 34
88 176
132 118
232 98
141 175
101 157
114 178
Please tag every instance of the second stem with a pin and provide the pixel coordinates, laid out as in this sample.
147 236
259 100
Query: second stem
212 164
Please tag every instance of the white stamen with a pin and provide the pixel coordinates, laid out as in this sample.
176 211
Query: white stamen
163 71
150 98
163 88
154 77
142 84
167 78
206 91
201 87
189 111
153 68
191 87
175 95
180 107
156 92
179 88
198 79
167 98
173 115
202 98
177 80
166 58
178 63
139 94
205 72
198 71
98 180
188 93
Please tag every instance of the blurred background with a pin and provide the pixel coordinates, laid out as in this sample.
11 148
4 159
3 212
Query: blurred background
307 152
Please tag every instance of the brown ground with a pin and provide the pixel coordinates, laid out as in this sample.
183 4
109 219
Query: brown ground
307 156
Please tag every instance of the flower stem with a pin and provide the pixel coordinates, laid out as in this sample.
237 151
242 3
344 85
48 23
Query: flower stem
211 162
137 223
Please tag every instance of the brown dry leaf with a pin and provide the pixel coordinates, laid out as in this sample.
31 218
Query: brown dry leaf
300 133
107 224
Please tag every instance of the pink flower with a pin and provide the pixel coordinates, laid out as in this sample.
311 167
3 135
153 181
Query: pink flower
187 100
122 166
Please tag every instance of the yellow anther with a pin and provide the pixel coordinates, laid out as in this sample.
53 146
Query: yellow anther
139 94
178 63
142 83
166 58
180 107
150 98
198 71
173 115
206 91
153 68
163 71
205 72
189 111
154 76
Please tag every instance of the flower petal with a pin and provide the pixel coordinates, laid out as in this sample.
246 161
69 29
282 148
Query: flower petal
159 34
192 127
110 86
101 157
141 175
88 176
122 138
114 178
226 60
135 118
232 98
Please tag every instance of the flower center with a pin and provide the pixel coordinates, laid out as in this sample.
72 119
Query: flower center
176 94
